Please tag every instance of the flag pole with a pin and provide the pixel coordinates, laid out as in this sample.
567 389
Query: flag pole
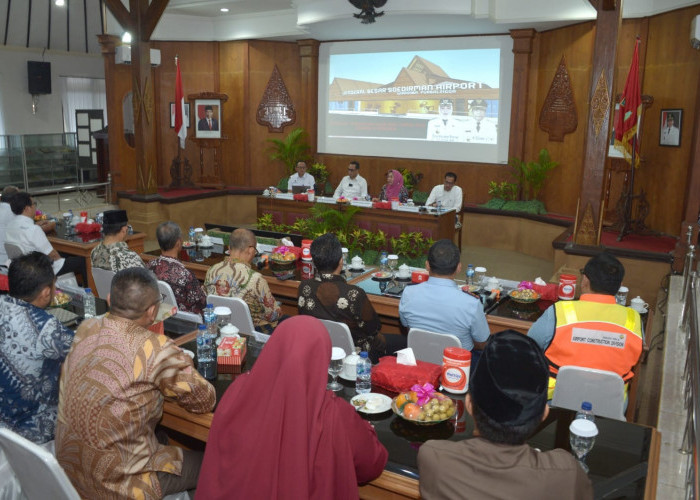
627 214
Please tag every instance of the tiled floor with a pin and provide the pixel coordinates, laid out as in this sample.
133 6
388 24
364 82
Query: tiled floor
672 417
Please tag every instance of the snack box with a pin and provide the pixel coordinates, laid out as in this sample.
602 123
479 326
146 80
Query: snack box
230 354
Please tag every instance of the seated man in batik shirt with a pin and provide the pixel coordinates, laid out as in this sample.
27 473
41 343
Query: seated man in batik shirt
112 253
113 384
188 291
329 296
234 277
33 345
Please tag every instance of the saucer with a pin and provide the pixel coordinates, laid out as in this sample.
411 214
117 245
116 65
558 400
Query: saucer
401 278
356 270
349 379
210 245
378 403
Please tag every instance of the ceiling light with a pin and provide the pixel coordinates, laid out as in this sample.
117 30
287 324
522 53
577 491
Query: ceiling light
223 9
60 3
126 37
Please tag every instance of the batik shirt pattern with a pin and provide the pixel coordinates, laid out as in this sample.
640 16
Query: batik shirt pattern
188 291
233 278
115 257
33 344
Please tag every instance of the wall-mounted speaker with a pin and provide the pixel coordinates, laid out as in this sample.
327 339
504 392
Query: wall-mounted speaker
39 77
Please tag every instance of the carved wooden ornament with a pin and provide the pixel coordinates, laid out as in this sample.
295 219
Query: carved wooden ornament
276 109
558 116
586 234
600 103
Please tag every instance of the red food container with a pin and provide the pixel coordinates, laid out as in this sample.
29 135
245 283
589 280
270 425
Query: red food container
419 276
306 249
230 354
567 286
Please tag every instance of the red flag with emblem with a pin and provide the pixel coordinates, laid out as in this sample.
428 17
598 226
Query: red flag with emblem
180 126
630 110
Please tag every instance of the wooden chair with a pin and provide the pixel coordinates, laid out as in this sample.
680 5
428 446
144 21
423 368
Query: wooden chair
603 389
429 346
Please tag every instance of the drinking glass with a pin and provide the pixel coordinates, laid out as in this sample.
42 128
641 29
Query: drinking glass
335 367
621 295
393 260
582 435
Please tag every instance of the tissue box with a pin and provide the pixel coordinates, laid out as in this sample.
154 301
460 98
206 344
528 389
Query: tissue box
301 197
230 354
386 205
399 378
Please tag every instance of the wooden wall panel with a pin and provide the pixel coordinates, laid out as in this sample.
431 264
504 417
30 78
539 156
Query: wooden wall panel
198 67
263 57
233 71
672 76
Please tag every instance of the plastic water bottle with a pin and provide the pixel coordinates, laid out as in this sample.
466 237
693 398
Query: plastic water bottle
191 233
363 383
384 262
89 308
470 274
206 353
210 319
586 412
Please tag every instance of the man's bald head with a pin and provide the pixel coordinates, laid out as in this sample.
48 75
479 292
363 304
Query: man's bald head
133 292
241 239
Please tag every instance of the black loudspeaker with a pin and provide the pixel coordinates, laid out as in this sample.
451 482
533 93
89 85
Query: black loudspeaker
39 77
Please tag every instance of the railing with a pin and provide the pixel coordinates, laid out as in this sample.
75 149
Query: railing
83 188
690 323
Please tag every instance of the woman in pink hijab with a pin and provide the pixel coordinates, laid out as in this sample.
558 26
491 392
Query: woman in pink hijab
394 189
279 434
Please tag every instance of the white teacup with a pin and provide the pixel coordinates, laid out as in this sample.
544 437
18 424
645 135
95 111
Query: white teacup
404 271
357 262
639 305
493 284
350 366
206 240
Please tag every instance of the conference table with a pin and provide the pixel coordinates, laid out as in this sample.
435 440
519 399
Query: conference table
433 224
66 241
500 316
624 460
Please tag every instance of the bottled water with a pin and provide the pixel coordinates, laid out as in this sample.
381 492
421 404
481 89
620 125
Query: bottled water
89 308
210 319
206 353
191 234
363 383
470 274
586 412
384 262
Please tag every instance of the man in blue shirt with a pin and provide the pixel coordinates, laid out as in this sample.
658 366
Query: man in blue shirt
438 305
33 346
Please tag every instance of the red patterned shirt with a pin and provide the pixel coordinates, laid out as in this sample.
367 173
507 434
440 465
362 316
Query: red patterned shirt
188 291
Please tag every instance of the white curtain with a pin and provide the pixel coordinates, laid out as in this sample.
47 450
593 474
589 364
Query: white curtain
82 93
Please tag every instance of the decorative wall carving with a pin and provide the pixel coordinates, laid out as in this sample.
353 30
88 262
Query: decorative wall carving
558 116
600 103
276 109
586 234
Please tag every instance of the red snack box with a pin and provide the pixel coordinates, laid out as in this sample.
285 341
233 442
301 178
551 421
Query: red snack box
386 205
301 197
230 354
399 378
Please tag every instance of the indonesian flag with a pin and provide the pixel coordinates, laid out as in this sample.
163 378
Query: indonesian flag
180 127
628 115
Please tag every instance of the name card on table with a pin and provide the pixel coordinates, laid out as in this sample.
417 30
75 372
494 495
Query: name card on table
407 208
361 203
325 199
284 196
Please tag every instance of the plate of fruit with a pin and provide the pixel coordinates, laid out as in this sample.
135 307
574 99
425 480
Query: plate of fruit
524 296
423 409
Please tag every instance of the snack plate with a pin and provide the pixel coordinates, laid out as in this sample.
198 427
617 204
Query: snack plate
471 288
188 244
378 403
381 276
417 422
524 300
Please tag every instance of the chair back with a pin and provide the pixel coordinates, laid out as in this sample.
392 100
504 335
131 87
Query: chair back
603 389
429 346
13 251
169 296
103 281
240 313
340 335
38 471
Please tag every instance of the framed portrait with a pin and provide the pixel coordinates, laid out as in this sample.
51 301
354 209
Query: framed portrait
670 127
208 116
186 118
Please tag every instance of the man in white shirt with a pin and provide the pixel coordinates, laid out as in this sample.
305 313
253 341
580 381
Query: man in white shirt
669 134
6 216
352 185
446 128
25 234
301 178
481 129
449 195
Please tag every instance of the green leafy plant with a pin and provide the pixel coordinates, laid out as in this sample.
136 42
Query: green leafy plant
532 175
411 179
290 150
504 190
411 245
265 222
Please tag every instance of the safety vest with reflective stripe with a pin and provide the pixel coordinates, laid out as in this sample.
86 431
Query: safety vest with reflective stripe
595 332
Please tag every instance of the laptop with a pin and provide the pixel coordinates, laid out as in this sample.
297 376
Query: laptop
299 189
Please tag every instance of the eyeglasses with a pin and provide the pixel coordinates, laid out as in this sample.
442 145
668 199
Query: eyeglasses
257 254
352 169
582 271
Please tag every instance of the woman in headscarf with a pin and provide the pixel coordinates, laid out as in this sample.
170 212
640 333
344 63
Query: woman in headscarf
394 189
278 433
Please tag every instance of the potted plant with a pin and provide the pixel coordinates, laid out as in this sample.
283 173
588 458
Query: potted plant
290 150
320 173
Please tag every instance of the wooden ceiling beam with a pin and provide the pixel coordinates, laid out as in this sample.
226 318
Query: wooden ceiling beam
120 13
155 11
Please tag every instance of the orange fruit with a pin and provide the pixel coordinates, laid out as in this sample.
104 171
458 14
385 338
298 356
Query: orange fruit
402 399
411 411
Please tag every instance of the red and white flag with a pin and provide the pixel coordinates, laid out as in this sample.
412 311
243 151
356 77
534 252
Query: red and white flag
630 111
180 126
